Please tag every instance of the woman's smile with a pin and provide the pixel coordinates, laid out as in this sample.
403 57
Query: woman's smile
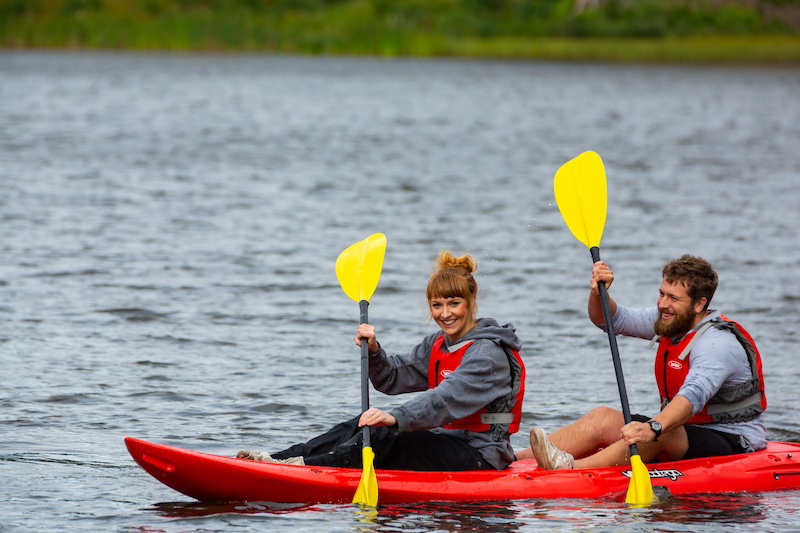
452 315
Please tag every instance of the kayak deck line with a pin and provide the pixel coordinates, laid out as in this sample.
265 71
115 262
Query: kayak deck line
215 478
158 463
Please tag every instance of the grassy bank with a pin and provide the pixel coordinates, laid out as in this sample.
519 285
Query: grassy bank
753 31
691 50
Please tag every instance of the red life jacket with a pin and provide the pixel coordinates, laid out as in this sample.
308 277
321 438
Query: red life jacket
736 403
502 417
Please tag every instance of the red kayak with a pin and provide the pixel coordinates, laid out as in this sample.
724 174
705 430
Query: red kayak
208 477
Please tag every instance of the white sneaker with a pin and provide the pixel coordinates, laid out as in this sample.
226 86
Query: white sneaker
267 458
547 455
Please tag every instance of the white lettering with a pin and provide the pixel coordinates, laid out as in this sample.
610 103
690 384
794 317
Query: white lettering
655 473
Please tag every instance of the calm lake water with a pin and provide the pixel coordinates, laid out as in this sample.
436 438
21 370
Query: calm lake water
170 225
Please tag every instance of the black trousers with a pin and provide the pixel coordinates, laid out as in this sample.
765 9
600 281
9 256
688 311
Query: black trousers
422 451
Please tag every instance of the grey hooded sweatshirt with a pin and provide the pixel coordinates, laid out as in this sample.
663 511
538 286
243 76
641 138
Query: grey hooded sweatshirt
483 376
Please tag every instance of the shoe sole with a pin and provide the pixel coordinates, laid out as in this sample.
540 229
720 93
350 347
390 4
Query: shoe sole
539 442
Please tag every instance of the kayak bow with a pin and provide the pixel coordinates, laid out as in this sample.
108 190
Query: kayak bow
207 477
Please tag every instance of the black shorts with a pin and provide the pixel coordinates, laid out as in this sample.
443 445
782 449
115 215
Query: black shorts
705 442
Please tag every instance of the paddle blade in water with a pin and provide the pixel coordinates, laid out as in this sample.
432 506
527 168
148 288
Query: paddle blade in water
367 491
640 489
582 197
359 267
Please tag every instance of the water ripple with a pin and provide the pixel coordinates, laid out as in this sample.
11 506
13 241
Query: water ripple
171 224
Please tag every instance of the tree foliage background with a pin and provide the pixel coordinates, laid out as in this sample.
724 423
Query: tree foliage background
373 26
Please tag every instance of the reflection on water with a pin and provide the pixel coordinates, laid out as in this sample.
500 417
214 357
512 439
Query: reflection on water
491 517
673 513
728 509
194 509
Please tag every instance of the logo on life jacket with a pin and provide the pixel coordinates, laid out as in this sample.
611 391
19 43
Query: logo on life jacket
731 404
675 365
501 417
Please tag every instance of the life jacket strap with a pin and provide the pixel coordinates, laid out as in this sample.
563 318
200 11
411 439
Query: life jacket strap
714 409
456 347
497 418
699 331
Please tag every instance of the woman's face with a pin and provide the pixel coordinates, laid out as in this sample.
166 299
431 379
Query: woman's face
452 315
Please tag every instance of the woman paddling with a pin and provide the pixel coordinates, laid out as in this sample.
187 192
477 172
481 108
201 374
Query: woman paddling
473 381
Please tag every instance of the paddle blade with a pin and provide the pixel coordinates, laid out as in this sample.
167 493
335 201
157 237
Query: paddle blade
367 491
359 267
582 197
640 489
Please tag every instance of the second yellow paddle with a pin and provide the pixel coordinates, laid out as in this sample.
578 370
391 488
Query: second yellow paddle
582 198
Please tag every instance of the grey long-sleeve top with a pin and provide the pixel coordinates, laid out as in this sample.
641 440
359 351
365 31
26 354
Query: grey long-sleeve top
483 376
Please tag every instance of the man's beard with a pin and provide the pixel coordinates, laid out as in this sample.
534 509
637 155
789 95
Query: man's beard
679 326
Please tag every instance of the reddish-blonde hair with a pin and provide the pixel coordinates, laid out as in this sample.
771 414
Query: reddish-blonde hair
453 278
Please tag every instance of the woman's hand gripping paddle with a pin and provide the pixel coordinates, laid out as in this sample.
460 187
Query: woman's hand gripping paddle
582 198
359 269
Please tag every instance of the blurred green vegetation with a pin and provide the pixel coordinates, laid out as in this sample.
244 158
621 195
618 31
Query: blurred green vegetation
621 30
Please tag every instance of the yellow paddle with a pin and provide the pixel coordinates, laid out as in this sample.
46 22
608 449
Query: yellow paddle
359 269
582 198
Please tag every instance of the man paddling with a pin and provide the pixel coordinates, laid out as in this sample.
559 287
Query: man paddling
708 372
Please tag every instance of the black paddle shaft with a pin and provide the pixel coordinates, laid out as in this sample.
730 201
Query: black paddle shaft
363 304
612 340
